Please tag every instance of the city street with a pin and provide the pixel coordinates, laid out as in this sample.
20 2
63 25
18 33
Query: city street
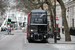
18 41
22 21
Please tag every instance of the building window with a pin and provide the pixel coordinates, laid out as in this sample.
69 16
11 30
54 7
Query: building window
68 9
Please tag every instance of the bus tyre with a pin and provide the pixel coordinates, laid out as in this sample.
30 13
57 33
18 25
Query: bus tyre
47 40
29 40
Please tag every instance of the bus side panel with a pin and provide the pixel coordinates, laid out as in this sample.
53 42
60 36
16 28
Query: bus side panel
27 25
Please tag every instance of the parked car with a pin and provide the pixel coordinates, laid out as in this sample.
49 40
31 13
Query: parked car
3 28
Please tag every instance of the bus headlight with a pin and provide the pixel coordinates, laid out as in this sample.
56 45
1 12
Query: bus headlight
31 30
44 36
31 35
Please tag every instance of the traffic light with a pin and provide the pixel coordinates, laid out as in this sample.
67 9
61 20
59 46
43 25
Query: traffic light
9 21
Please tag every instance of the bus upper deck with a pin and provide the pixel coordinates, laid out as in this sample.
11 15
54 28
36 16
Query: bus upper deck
38 17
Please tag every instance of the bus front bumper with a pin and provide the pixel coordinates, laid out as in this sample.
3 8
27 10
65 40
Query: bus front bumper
38 37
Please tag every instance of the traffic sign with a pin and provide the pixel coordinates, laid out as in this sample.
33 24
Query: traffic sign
57 20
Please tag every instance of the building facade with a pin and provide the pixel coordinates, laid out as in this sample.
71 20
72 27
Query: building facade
70 12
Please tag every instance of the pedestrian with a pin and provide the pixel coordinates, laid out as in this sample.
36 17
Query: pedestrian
50 34
8 29
63 30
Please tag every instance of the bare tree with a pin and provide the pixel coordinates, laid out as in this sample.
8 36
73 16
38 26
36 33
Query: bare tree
67 34
28 5
3 5
24 5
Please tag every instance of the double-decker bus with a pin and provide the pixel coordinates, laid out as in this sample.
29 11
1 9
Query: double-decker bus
37 26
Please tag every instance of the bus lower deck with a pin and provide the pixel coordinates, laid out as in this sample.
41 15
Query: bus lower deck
38 32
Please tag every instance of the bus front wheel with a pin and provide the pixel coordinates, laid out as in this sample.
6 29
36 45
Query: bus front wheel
29 40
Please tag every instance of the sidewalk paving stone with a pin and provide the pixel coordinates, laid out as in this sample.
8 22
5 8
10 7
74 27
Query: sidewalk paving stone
62 40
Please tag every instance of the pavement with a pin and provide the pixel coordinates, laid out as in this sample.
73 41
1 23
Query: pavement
62 40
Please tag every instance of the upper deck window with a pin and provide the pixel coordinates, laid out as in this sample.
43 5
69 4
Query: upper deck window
38 17
38 14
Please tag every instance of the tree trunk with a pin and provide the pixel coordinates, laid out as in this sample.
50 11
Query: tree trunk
51 18
67 34
58 32
51 9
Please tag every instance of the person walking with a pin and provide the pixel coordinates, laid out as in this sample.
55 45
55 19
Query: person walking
8 29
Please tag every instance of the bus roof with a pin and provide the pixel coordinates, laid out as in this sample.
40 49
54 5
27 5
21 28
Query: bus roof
38 10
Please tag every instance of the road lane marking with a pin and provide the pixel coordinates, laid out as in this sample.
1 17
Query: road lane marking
47 43
25 39
4 38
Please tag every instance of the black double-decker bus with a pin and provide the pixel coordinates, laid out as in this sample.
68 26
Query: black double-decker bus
37 26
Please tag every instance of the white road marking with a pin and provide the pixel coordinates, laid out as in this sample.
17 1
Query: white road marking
47 43
25 39
4 38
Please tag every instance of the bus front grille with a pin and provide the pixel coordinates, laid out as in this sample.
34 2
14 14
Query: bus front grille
38 36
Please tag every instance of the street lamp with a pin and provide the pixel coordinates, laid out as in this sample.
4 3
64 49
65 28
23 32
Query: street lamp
55 30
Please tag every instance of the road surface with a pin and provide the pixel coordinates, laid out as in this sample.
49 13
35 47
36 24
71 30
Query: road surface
18 41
